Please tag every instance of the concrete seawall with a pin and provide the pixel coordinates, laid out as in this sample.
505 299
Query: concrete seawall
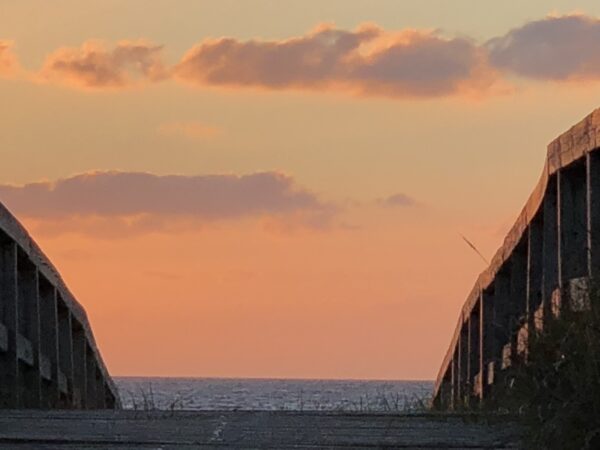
48 355
547 263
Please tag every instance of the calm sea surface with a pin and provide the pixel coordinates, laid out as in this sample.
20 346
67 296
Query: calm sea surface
272 394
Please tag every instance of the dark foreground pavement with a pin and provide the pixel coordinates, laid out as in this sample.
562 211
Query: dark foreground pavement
83 430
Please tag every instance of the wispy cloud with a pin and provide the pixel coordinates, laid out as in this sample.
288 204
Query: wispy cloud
189 130
397 200
134 202
555 48
9 64
95 66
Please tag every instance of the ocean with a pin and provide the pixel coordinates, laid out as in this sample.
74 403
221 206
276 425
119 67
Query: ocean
273 394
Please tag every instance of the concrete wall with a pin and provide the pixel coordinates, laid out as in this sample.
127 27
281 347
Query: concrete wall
547 261
48 356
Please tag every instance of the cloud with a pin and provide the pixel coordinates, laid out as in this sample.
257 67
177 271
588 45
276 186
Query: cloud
555 48
189 130
398 200
131 193
94 66
125 203
9 64
368 61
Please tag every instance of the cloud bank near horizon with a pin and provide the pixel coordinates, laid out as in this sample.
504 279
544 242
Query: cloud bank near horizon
367 61
114 204
135 202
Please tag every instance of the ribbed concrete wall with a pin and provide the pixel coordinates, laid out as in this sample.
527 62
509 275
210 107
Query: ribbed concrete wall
48 356
546 263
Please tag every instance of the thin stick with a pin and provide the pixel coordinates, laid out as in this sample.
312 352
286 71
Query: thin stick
470 244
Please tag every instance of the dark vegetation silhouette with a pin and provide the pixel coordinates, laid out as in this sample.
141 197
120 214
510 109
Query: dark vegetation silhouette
555 393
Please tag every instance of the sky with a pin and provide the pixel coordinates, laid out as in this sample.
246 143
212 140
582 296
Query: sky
279 189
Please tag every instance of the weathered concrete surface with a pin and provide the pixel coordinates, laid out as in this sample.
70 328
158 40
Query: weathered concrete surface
279 430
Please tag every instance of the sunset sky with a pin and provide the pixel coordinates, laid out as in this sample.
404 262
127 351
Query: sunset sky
270 188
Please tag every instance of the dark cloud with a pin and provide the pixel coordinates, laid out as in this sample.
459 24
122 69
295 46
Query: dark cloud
398 200
368 60
145 202
94 66
554 48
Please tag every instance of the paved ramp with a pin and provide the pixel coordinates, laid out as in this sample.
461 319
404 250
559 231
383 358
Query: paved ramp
82 430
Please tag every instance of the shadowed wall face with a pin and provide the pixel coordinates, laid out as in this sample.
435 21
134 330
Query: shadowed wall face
48 360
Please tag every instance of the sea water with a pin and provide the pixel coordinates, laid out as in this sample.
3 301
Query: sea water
273 394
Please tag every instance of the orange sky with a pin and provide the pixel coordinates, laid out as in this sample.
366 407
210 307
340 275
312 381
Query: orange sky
233 196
